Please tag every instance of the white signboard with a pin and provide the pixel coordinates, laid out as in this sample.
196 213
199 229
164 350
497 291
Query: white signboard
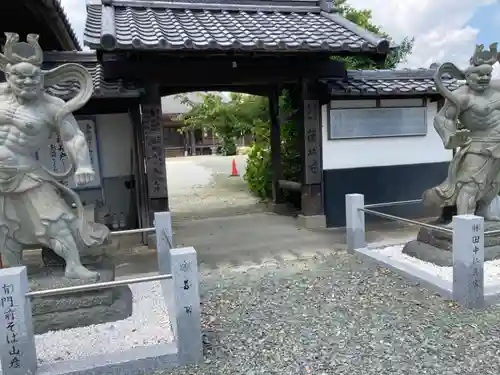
378 122
54 157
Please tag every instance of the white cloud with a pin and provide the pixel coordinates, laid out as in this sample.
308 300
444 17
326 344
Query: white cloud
439 27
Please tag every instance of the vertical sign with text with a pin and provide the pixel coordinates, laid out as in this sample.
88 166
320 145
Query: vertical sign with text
18 351
154 151
12 312
187 300
312 141
477 245
468 260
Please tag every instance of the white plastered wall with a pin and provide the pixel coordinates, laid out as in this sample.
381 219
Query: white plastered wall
371 152
115 138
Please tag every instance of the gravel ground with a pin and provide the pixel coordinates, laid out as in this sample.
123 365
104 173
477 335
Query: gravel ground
148 325
338 315
491 268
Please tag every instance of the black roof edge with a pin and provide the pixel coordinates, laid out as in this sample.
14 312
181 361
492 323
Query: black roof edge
68 38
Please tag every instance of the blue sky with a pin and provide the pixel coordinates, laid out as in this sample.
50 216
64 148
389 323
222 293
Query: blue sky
487 20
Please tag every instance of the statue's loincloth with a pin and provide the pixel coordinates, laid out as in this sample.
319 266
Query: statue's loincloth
31 202
485 175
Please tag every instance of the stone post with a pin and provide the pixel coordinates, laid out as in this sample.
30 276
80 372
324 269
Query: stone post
468 260
187 304
18 351
355 221
164 240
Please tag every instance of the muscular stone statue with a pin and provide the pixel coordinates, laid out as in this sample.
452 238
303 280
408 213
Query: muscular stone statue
470 123
32 208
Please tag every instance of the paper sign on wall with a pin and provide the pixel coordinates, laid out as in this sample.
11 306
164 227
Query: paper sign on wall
55 158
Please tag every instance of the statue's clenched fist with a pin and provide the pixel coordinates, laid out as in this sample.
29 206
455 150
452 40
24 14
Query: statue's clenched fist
84 176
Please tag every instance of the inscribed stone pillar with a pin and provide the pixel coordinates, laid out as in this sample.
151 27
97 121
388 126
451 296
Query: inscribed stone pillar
154 150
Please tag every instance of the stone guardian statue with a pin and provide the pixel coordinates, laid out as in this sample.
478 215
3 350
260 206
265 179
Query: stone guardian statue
470 123
32 208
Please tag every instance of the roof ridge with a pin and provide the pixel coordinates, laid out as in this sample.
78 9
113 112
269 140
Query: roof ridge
249 5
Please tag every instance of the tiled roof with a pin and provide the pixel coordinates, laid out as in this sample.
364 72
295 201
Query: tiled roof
102 88
272 25
388 82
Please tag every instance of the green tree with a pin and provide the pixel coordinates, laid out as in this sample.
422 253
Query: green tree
227 119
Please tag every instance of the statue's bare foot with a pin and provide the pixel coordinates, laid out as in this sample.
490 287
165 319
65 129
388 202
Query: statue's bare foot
80 272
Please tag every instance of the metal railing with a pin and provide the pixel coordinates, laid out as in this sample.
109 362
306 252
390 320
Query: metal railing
408 221
132 231
367 210
96 286
492 232
389 204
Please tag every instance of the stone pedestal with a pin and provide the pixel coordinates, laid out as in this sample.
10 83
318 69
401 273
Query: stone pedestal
436 247
77 309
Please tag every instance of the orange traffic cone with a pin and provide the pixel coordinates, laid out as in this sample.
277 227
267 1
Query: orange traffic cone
234 170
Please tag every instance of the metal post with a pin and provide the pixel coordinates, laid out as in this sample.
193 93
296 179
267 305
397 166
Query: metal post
468 260
17 350
355 221
187 305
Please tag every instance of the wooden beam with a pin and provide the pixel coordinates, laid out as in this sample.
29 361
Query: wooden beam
106 106
290 185
263 90
222 71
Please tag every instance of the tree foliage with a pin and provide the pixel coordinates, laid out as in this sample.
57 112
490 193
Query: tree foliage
229 119
247 114
363 18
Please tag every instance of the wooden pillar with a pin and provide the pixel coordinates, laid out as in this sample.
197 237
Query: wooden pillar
273 96
154 151
139 171
310 145
193 142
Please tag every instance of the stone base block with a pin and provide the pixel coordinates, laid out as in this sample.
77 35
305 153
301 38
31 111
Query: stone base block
312 222
436 247
77 309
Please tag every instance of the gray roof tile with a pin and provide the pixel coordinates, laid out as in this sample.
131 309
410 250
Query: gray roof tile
102 88
244 25
388 82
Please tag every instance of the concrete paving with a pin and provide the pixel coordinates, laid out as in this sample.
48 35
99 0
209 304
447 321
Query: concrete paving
252 240
201 187
230 228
